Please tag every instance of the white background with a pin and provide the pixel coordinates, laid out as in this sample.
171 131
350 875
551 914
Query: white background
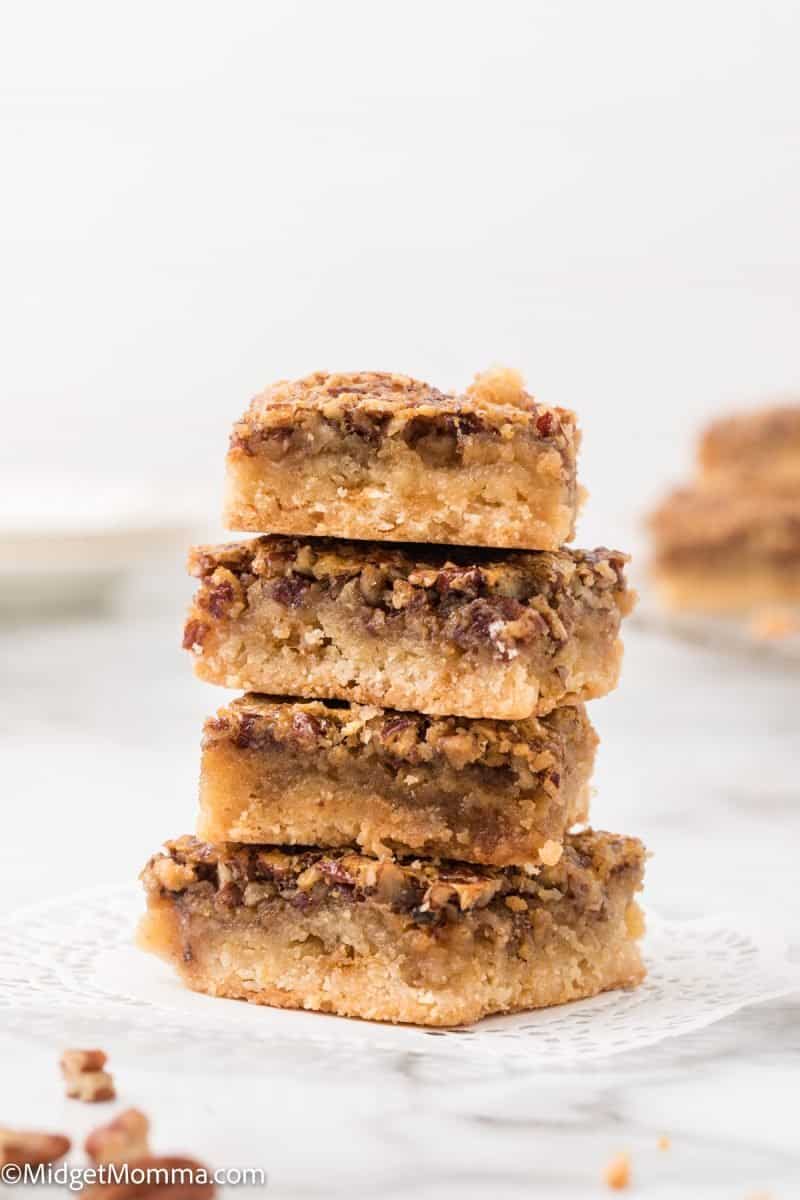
198 198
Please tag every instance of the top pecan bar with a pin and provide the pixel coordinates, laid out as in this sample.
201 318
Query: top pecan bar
374 455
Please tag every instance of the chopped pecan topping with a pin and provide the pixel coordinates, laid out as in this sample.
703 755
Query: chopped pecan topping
499 624
223 595
172 876
290 591
486 599
364 408
529 747
578 871
435 439
307 729
372 582
254 893
194 633
248 732
400 737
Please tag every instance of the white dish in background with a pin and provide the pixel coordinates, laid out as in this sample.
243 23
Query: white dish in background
735 632
65 543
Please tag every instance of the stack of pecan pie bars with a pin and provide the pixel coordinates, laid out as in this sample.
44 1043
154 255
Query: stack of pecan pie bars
385 814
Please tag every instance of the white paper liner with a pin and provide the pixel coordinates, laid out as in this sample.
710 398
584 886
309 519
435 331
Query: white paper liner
68 960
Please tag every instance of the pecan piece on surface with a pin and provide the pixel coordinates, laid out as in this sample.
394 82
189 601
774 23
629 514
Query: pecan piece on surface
162 1176
121 1141
24 1147
84 1076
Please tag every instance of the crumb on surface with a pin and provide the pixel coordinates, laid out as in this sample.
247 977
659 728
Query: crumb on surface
664 1143
617 1172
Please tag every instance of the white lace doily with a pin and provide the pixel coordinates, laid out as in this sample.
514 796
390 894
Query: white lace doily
69 962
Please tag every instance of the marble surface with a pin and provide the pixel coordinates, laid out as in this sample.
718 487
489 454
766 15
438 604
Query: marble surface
99 729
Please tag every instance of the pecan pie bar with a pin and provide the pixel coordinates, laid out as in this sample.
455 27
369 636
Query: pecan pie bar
440 630
429 943
763 446
332 774
727 548
369 455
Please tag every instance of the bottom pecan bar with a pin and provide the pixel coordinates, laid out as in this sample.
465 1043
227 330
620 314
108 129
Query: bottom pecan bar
422 942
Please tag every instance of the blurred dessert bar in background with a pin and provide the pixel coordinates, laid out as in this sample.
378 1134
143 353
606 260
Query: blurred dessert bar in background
725 549
730 541
319 773
372 455
763 446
